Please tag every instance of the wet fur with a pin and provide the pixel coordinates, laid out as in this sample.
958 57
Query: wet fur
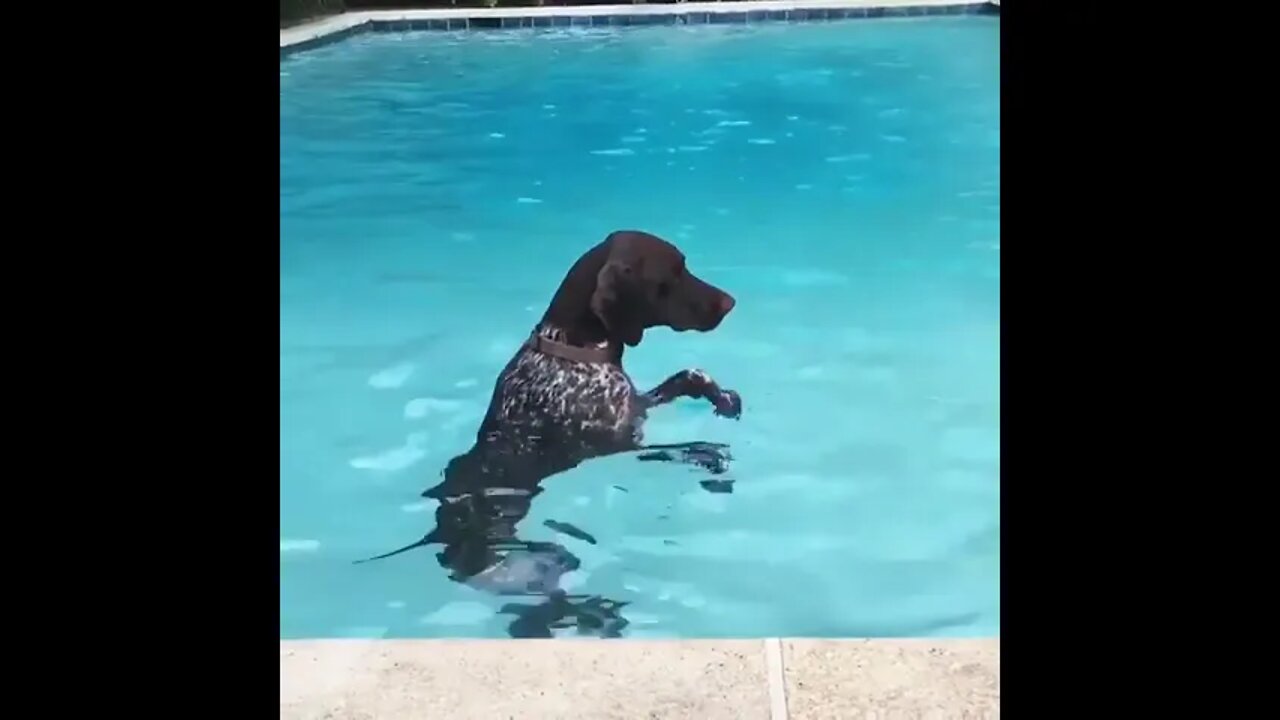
548 414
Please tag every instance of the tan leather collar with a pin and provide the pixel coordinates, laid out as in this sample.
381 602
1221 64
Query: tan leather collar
600 354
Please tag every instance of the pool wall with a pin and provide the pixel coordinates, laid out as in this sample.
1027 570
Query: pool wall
331 29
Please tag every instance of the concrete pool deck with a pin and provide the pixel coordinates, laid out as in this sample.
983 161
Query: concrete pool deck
332 28
769 679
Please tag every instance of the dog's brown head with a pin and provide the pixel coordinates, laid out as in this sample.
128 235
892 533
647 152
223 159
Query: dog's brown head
633 281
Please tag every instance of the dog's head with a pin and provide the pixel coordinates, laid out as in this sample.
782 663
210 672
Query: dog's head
644 283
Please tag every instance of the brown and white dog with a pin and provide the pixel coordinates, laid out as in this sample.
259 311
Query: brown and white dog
564 398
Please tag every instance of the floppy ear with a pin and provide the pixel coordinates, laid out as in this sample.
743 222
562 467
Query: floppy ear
618 304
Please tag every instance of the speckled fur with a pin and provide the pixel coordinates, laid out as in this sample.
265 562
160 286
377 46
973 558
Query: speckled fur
596 401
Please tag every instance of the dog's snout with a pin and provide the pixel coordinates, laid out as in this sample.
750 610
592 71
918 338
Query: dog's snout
714 309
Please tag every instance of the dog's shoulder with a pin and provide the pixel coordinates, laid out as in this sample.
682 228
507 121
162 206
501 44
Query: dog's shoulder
542 390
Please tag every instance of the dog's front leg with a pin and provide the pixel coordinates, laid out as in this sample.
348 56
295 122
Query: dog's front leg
696 384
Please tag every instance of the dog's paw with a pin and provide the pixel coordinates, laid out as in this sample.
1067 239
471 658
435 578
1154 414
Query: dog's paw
729 405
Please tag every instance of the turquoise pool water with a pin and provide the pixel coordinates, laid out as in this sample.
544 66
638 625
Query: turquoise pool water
840 179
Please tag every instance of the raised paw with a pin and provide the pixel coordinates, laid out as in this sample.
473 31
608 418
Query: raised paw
728 404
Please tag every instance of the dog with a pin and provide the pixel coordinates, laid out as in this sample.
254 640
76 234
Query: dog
564 398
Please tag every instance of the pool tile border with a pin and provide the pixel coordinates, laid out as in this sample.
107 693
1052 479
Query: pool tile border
311 35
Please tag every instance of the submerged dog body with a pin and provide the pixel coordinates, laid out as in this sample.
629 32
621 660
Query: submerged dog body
564 398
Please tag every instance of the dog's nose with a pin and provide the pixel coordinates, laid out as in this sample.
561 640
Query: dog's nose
726 303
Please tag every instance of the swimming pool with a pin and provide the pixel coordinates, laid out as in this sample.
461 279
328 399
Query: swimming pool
840 179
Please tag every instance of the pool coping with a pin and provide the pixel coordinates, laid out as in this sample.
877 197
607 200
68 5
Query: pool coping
333 28
770 678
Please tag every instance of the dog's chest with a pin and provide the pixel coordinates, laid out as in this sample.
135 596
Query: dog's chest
550 392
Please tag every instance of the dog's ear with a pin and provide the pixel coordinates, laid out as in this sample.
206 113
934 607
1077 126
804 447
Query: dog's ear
618 302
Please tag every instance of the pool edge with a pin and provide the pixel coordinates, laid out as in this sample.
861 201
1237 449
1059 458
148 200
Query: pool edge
336 27
795 678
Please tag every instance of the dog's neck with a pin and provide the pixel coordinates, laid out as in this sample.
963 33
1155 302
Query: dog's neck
554 332
569 320
563 343
569 312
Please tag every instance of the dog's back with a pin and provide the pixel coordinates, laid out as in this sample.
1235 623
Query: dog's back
546 415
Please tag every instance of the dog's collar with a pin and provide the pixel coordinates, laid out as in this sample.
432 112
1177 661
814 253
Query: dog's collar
546 346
